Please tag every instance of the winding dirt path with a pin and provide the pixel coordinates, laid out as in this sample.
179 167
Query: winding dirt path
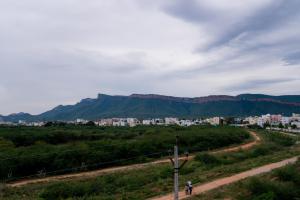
231 179
122 168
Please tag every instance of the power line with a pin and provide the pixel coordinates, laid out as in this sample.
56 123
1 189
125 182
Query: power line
44 173
50 154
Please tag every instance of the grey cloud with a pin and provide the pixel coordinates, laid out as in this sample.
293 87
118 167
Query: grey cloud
57 52
276 14
255 84
292 58
242 37
190 11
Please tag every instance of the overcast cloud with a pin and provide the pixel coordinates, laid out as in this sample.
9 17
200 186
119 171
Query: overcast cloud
59 51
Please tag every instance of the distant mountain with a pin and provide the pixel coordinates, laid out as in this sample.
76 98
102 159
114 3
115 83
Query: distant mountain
18 116
152 105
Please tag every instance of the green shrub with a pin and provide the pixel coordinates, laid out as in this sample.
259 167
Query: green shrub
281 190
6 144
207 159
265 196
281 139
289 173
53 148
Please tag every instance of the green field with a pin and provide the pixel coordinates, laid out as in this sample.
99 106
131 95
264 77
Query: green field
157 179
28 151
280 184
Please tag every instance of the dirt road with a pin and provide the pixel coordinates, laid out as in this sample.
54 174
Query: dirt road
95 173
225 181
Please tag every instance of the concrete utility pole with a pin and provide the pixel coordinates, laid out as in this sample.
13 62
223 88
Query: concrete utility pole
176 169
175 163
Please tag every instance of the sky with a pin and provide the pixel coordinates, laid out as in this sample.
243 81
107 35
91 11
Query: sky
56 52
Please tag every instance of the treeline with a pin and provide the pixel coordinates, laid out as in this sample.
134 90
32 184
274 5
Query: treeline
39 150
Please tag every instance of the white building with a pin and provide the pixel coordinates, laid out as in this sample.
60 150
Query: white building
285 120
81 121
119 122
147 122
266 118
171 121
295 117
133 122
252 120
214 121
185 122
261 121
296 123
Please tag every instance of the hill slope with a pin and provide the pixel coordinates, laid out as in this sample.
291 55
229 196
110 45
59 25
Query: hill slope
146 106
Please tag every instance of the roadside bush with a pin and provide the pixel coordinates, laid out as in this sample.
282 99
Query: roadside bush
281 139
265 196
207 159
233 157
281 190
289 173
260 151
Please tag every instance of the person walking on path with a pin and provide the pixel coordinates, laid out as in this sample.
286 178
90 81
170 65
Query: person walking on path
186 188
190 187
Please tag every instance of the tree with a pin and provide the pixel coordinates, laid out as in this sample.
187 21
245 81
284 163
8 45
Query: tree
91 123
48 124
280 125
267 124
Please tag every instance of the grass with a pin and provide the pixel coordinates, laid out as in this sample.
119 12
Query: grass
157 179
25 151
280 184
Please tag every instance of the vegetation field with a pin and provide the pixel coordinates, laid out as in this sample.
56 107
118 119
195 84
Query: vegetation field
39 151
157 179
281 184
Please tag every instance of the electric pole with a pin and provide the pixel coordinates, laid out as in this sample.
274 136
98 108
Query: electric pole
176 169
176 166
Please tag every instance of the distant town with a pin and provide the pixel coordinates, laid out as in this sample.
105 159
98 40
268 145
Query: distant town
268 121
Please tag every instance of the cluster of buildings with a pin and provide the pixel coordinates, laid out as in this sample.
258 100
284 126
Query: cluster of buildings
155 121
22 123
131 122
268 120
274 120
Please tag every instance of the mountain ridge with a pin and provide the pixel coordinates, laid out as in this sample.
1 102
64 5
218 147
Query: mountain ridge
154 105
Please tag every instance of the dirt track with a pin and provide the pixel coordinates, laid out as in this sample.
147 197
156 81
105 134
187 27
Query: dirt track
114 169
225 181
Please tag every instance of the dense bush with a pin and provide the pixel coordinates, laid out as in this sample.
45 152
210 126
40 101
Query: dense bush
207 159
282 184
110 185
233 157
265 196
281 139
46 149
280 190
289 173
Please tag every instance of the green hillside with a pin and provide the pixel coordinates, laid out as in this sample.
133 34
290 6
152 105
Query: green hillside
106 106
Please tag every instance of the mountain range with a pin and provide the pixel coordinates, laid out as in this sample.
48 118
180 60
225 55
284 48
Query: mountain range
152 105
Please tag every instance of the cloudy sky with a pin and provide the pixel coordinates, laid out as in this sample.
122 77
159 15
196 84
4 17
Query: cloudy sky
59 51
